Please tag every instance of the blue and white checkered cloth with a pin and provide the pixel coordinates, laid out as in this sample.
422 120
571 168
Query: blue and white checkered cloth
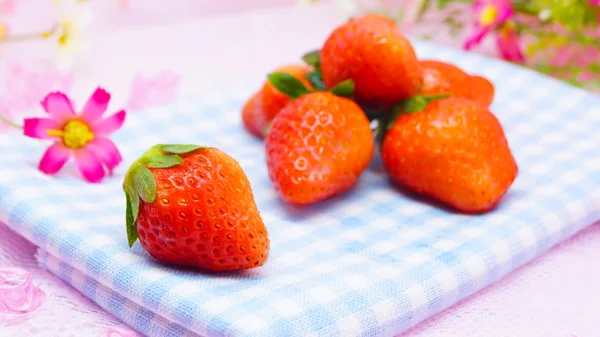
372 262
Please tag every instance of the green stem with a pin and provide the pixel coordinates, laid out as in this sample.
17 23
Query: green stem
10 123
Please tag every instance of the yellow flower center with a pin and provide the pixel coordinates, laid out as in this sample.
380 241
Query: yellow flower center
65 35
76 134
488 15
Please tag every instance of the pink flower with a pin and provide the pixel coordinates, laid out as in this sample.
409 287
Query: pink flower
83 136
594 2
508 43
490 14
18 295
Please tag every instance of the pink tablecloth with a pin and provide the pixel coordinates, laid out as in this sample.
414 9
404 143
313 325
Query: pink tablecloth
556 295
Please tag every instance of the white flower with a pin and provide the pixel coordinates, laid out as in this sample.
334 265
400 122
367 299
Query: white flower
347 8
73 17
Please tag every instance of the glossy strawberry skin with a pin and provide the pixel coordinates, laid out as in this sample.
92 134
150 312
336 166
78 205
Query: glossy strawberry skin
204 215
373 52
441 78
318 147
260 109
455 151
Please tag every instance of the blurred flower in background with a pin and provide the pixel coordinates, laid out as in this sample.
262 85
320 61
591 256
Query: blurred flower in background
560 38
73 17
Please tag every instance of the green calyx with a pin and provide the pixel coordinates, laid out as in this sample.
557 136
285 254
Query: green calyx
139 181
387 117
294 88
412 105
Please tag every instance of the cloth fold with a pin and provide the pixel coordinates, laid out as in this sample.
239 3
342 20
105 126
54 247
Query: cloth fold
371 262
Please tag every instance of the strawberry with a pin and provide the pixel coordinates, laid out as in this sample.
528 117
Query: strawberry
192 205
454 151
442 77
318 145
482 90
262 107
372 52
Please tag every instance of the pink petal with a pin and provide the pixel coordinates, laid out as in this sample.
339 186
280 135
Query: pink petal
54 158
476 38
110 124
18 294
504 14
89 165
107 152
38 127
58 106
26 87
95 106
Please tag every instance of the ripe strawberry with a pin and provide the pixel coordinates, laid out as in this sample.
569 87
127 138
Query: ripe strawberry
442 77
454 151
317 147
482 90
193 205
262 107
373 52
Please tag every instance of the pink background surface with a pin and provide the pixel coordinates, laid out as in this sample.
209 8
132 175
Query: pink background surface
211 43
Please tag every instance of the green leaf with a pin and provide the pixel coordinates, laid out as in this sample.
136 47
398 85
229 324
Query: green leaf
288 84
344 88
180 148
313 58
414 104
132 233
316 79
144 183
163 161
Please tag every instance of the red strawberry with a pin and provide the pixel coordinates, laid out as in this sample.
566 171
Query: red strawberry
455 151
372 51
317 147
262 107
482 90
193 205
442 77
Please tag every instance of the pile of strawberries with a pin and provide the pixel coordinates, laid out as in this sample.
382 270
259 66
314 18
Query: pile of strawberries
436 133
193 205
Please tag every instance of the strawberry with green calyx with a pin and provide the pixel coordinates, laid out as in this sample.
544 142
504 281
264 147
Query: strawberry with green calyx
264 104
454 150
317 147
193 205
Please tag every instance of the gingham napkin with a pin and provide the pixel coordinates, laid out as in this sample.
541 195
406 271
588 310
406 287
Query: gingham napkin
372 262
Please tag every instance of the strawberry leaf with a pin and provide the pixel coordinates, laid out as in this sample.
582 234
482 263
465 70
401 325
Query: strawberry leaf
344 88
288 84
313 58
163 161
132 233
144 183
180 148
315 78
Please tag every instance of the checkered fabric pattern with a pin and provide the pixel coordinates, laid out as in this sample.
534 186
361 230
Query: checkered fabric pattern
372 262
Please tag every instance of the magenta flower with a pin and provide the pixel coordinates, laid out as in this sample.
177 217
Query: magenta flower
490 14
83 136
508 43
